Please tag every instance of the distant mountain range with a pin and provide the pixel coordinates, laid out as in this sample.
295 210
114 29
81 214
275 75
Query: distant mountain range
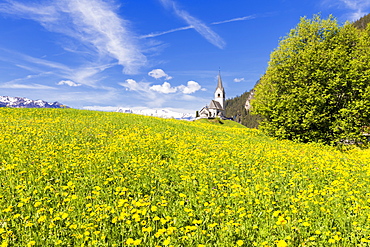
19 102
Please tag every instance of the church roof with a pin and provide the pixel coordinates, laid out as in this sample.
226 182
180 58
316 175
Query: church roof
215 105
219 83
205 109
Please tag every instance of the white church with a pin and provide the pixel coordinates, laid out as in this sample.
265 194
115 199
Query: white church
217 106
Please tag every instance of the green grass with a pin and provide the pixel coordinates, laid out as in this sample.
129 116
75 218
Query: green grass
218 121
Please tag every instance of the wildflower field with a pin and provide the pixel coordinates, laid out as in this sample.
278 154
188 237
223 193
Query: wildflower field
84 178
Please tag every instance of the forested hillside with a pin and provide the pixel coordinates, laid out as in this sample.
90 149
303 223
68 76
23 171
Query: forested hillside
235 108
362 22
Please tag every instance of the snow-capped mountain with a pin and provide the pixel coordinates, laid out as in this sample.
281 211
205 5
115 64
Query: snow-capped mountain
162 113
19 102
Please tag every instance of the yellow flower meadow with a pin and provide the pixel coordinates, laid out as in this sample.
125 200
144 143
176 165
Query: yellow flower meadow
84 178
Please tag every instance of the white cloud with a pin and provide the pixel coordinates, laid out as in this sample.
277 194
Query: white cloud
149 91
192 87
93 23
358 8
69 83
164 88
159 73
238 79
198 25
132 85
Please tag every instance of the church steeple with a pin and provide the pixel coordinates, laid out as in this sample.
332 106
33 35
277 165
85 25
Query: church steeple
219 83
220 92
217 106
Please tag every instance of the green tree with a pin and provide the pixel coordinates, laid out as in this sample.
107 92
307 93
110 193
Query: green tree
317 85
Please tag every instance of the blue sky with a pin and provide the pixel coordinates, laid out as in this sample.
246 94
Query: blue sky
104 54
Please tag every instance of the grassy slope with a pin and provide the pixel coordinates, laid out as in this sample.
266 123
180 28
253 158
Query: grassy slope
71 177
224 123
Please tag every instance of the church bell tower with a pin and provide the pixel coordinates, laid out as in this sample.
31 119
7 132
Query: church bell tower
220 92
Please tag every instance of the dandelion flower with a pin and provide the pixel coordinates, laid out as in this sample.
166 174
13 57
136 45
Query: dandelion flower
281 243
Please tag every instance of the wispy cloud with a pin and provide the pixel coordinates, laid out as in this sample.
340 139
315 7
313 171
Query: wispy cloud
24 86
23 83
42 13
42 62
155 34
152 35
101 26
143 90
244 18
86 74
193 22
358 8
93 23
132 85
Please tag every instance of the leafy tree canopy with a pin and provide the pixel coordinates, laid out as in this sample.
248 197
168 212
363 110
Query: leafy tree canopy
317 85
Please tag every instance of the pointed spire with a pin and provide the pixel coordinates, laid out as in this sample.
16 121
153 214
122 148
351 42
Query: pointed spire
219 83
